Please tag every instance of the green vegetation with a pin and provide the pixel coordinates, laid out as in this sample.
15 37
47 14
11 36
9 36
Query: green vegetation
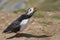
38 15
20 10
50 5
56 17
47 5
47 22
30 3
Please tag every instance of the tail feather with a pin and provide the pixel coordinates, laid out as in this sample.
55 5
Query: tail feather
8 30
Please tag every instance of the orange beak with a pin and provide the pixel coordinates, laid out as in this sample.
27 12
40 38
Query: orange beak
35 7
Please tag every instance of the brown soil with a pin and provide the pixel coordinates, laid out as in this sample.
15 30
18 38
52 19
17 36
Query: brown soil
36 29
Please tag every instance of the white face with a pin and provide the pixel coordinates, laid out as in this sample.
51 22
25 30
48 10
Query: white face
31 10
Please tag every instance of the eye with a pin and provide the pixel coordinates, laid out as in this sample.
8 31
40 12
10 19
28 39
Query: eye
30 10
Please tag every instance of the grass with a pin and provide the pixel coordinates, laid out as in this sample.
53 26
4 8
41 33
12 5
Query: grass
20 10
30 3
47 22
50 5
38 15
47 5
56 17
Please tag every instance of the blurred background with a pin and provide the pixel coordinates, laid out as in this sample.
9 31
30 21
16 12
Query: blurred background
46 21
45 5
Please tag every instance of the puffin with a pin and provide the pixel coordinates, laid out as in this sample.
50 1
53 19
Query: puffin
21 22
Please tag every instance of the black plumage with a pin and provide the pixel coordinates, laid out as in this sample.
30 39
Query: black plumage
15 25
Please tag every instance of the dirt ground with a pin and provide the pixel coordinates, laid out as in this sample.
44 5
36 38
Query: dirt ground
36 29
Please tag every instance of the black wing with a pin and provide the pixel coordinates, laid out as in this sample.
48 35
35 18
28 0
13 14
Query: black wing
14 26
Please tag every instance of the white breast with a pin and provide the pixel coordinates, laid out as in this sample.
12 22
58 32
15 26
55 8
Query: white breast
24 23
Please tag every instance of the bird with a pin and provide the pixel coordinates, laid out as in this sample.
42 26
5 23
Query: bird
21 22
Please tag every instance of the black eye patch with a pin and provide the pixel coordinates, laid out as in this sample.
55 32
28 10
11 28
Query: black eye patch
30 10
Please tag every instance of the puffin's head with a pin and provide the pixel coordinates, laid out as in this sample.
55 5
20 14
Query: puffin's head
31 10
